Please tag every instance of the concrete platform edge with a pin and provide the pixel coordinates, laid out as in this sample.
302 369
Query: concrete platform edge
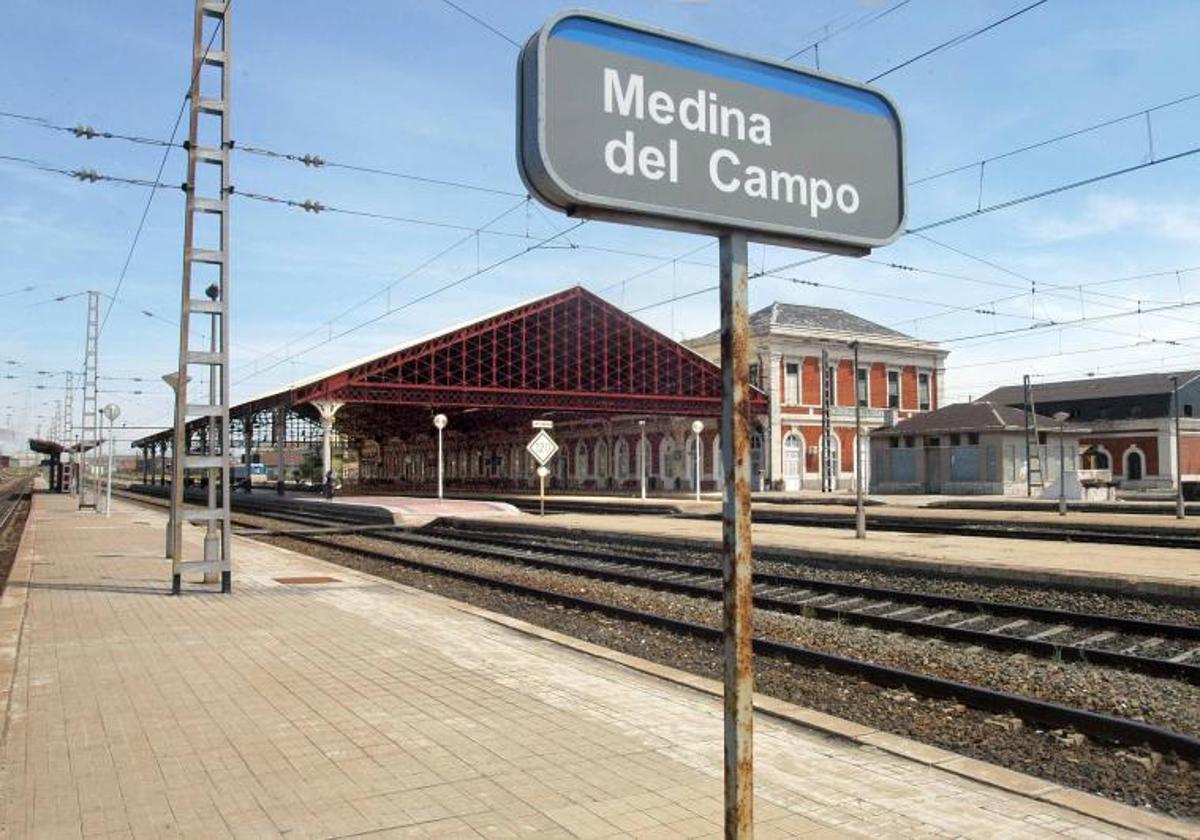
1097 807
1021 784
13 604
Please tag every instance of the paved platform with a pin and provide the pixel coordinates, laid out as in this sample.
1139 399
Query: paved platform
1123 568
356 706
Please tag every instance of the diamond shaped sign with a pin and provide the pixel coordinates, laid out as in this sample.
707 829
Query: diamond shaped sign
542 447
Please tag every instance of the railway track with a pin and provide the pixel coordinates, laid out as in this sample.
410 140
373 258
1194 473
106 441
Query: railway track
1154 648
699 581
12 493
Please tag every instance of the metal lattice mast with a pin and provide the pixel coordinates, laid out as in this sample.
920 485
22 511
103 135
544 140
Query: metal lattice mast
69 427
828 476
88 433
205 295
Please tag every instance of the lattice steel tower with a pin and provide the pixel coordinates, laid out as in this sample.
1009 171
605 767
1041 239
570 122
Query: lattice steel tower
88 433
69 427
205 296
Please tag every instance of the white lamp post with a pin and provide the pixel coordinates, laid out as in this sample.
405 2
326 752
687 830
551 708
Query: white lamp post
112 411
440 421
697 428
1061 417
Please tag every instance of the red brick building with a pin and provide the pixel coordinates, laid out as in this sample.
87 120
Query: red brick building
898 377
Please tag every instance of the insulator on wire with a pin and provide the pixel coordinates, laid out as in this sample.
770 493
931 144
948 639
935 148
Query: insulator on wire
310 206
86 175
85 131
312 160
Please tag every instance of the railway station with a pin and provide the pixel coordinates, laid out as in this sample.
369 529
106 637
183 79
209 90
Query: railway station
640 428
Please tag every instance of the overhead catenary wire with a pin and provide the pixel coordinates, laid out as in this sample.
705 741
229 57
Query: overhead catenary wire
865 19
421 298
481 22
1058 138
1003 205
957 39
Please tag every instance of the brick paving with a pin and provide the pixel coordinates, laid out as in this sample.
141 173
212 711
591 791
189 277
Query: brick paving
362 707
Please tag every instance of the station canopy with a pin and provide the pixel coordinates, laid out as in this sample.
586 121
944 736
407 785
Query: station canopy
565 354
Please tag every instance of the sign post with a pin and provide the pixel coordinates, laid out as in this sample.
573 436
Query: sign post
634 125
542 448
542 472
697 428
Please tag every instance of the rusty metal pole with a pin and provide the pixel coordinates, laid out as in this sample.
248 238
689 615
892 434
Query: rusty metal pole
735 540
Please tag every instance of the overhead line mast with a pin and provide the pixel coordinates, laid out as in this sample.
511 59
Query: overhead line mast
209 118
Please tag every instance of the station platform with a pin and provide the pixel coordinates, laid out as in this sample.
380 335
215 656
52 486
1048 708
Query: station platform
408 510
319 702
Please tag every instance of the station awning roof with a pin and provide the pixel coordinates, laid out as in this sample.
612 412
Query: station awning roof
570 351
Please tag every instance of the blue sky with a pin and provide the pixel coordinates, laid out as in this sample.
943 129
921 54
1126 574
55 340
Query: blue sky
420 88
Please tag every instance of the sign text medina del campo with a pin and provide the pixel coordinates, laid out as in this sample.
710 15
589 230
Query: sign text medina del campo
619 121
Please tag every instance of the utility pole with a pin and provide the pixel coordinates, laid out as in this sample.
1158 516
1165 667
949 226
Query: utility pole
88 427
828 479
201 262
860 514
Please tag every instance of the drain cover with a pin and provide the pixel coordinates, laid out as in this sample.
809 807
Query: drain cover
311 579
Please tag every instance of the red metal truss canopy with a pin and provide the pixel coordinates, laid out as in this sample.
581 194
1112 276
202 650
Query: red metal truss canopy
569 351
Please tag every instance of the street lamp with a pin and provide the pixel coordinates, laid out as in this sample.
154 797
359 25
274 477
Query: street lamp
439 422
697 428
1061 417
112 411
642 456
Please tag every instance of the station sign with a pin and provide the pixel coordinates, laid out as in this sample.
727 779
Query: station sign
631 124
543 424
542 447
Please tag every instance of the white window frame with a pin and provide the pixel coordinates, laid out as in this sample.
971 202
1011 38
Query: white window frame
887 389
929 387
799 363
867 381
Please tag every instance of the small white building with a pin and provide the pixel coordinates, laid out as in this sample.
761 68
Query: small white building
974 448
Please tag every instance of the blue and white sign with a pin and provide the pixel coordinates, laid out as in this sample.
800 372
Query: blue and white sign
617 121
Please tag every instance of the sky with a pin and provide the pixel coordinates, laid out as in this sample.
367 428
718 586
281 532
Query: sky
419 87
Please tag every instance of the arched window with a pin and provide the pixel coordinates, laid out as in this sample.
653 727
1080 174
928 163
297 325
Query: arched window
601 459
581 461
666 454
621 457
1134 464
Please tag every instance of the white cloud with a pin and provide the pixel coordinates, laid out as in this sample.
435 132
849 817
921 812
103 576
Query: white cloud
1102 215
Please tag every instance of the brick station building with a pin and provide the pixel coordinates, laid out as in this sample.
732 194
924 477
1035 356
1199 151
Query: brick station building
898 377
1130 421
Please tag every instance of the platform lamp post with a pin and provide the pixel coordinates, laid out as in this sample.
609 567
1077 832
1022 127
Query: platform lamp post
112 411
439 422
1061 417
642 456
697 428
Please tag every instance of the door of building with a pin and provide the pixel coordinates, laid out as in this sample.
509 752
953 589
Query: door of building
1133 466
933 469
793 460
